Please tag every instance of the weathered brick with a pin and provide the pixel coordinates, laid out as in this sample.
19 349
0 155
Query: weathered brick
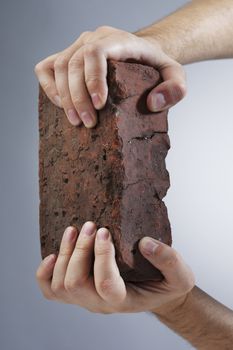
113 174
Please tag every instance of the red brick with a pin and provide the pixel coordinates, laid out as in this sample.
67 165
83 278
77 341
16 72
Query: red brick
114 174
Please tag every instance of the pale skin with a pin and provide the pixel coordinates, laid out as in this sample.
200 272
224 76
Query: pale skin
75 79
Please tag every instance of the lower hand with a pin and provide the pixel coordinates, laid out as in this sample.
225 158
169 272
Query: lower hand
67 278
75 78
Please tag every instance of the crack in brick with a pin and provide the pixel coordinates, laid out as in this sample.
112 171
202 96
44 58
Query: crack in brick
146 137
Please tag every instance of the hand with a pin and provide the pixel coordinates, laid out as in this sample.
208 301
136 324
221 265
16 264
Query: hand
68 277
75 78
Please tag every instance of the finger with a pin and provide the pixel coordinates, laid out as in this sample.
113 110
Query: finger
117 46
44 274
81 261
65 252
109 284
62 84
79 94
45 74
96 53
95 67
85 80
171 91
169 262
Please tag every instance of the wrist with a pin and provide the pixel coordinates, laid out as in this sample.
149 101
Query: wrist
177 305
150 36
160 37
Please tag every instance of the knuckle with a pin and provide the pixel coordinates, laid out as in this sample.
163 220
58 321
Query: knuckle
93 82
81 249
47 88
102 250
79 101
40 66
37 68
57 288
61 62
171 261
104 28
65 100
74 285
71 286
180 90
91 50
106 286
127 35
75 63
167 256
65 253
84 35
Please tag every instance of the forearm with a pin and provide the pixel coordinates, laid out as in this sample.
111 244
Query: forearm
200 319
201 30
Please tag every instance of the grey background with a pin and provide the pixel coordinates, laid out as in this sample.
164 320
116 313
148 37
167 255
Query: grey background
200 200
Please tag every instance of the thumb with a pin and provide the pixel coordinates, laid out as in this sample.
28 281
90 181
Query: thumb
169 262
170 91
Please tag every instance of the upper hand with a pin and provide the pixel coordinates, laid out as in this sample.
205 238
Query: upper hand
68 278
75 78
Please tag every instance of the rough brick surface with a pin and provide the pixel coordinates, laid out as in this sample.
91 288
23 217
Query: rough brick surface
114 174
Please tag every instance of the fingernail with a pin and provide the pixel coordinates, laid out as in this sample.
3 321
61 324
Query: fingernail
69 234
158 101
89 228
49 259
73 117
149 246
57 100
96 100
87 119
103 234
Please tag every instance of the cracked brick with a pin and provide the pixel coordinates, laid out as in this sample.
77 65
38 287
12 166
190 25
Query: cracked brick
114 174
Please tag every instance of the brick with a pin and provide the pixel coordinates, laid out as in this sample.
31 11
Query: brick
113 174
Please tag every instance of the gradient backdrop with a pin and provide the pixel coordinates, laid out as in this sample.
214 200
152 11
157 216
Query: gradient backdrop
200 200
